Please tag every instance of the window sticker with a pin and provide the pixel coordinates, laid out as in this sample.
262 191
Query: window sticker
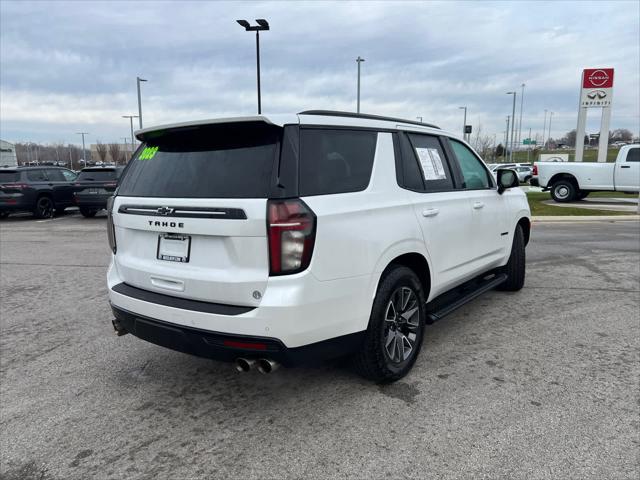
431 164
148 153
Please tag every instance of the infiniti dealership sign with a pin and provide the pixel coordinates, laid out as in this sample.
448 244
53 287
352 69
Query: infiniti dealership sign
596 91
597 87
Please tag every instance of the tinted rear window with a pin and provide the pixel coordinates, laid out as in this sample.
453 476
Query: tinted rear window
8 177
335 161
215 161
633 155
96 176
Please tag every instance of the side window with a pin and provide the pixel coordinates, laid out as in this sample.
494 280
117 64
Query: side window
432 163
633 155
335 161
55 175
475 175
36 175
69 176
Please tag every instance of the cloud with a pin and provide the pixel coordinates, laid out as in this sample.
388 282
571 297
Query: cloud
68 65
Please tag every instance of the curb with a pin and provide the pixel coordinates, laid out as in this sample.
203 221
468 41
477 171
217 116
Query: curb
585 218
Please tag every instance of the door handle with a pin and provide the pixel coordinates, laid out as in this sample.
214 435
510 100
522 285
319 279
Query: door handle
478 205
430 212
625 166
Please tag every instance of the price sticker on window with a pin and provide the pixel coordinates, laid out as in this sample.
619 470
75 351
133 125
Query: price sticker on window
431 164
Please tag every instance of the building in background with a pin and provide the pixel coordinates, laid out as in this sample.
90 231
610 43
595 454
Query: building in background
8 156
124 150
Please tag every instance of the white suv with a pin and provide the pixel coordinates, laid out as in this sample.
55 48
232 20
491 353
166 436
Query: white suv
285 240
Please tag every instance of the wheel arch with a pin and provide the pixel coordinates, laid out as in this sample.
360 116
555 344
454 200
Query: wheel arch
525 224
417 263
563 176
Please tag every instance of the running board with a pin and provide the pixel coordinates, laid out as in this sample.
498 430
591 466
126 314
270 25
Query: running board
454 299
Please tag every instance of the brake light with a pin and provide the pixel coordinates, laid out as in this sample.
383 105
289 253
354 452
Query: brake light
111 230
535 170
291 227
15 186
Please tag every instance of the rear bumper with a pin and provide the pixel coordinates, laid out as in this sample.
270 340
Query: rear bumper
15 202
295 310
91 201
533 181
227 347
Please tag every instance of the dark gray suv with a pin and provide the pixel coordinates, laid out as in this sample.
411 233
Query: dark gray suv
43 190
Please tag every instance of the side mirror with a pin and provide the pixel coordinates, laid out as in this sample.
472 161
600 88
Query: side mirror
507 179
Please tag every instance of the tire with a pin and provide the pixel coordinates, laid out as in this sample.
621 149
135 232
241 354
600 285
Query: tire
582 194
383 357
527 180
44 207
563 191
87 213
516 266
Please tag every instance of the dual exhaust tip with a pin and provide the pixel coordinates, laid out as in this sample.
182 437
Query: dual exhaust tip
264 365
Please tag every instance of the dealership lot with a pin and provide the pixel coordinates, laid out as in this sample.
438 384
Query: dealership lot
538 384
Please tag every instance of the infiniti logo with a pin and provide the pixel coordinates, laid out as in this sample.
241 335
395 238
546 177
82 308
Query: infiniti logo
165 210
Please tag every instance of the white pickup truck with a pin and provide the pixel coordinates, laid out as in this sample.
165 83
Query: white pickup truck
575 180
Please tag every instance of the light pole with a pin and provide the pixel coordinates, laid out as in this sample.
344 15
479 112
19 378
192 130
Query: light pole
550 117
84 153
464 122
126 141
544 127
506 138
520 121
262 25
138 80
513 121
419 118
131 117
359 60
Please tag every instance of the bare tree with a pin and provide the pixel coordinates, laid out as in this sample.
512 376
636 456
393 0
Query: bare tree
621 135
114 152
483 144
101 148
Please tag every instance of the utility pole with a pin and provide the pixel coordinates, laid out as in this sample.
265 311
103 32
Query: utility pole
464 122
84 153
138 80
359 60
262 25
520 122
419 119
529 150
513 122
550 117
126 141
506 138
544 127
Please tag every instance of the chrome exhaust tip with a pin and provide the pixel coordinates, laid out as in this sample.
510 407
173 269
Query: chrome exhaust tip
119 329
244 364
267 366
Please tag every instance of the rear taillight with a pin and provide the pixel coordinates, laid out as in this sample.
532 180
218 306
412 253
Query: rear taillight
14 186
535 170
291 227
111 231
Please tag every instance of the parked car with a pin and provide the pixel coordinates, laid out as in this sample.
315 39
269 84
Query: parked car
42 190
94 186
524 173
570 181
290 239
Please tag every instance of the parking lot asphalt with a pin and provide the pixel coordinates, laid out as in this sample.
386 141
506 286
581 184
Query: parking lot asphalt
542 383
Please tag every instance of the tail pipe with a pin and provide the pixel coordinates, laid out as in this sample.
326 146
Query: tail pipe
244 364
267 366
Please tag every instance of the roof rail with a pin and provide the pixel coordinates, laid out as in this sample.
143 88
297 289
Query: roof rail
335 113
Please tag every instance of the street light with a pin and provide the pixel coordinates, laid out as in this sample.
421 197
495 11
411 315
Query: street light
544 127
138 80
126 142
464 123
513 121
131 117
262 25
520 122
84 153
550 117
359 60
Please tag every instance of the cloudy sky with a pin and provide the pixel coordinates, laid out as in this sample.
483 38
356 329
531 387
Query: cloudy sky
71 66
